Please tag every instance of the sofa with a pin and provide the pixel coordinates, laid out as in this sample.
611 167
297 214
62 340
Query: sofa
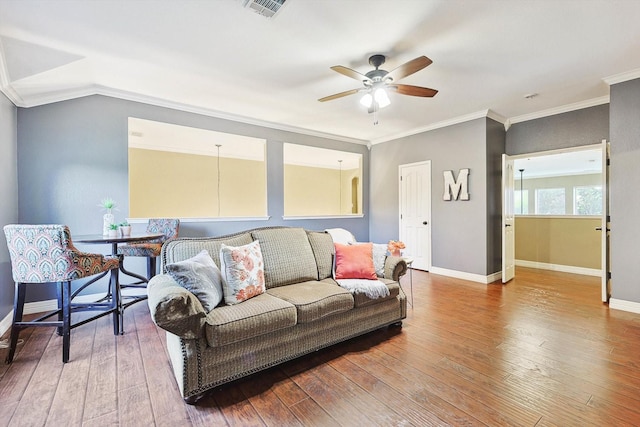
302 309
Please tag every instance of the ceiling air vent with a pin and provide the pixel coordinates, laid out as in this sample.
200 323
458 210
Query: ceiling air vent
266 8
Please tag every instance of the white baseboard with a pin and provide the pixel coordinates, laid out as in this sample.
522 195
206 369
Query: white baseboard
557 267
466 276
620 304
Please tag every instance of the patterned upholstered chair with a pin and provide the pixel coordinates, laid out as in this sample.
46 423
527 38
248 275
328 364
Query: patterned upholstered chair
44 254
151 249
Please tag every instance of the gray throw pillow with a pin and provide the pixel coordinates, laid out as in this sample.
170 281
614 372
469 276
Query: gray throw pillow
201 276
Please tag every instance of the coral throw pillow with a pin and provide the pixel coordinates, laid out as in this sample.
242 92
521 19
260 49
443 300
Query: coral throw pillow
354 262
242 272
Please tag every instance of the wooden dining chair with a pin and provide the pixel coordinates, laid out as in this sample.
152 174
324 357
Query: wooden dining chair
45 254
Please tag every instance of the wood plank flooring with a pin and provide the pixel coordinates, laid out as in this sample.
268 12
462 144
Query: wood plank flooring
540 351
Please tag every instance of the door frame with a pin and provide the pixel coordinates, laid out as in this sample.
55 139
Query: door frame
508 220
605 274
400 233
605 227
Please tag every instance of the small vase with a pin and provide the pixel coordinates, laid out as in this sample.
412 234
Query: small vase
125 230
112 233
107 220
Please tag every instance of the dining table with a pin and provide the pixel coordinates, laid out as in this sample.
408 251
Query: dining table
141 281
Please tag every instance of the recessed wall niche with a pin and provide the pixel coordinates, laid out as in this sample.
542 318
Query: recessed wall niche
321 182
184 172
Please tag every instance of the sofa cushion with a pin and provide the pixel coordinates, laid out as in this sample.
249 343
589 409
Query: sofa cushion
185 247
288 257
254 317
314 300
323 251
201 276
354 262
361 299
243 272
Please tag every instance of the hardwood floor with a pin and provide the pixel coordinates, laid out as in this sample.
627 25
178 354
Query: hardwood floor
540 351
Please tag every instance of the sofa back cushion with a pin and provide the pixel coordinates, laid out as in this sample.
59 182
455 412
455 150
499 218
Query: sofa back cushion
184 248
323 251
287 254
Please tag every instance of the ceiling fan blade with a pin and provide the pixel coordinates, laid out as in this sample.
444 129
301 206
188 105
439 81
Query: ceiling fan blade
339 95
413 90
350 73
409 68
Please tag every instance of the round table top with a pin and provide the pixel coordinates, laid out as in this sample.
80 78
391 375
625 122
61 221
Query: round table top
99 238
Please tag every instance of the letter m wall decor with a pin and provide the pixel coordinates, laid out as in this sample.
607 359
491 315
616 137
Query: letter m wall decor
454 188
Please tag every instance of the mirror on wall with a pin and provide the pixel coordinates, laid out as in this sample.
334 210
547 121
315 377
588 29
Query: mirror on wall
321 182
184 172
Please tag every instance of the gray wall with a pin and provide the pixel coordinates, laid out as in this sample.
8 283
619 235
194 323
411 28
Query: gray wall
459 229
73 153
8 195
581 127
624 202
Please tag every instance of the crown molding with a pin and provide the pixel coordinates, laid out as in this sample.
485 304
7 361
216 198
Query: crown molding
558 110
442 124
622 77
497 117
89 90
12 95
5 87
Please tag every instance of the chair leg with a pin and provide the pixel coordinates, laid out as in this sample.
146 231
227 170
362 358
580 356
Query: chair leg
66 320
115 298
60 302
18 306
151 267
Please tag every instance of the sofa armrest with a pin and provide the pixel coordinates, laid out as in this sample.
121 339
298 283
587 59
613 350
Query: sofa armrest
394 268
174 308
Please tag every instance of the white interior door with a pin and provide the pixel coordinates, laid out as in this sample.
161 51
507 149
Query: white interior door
508 221
605 227
415 212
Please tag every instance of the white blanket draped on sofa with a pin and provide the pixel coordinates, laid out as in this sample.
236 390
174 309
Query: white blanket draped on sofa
371 288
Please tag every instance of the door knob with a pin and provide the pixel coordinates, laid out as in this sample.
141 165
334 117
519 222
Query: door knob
424 222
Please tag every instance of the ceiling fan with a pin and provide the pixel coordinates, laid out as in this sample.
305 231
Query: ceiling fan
377 82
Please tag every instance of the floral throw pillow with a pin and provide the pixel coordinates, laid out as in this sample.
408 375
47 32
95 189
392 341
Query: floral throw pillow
242 272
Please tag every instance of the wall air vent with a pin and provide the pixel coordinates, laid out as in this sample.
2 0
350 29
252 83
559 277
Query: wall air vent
266 8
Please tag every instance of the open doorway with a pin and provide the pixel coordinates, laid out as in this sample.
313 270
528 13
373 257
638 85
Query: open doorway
559 202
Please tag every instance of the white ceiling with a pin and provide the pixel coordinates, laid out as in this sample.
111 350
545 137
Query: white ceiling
220 59
579 162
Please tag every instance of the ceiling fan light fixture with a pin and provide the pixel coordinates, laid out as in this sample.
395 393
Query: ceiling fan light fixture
366 100
377 81
381 98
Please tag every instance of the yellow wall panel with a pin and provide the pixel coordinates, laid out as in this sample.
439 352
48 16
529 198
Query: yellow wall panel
570 241
169 184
